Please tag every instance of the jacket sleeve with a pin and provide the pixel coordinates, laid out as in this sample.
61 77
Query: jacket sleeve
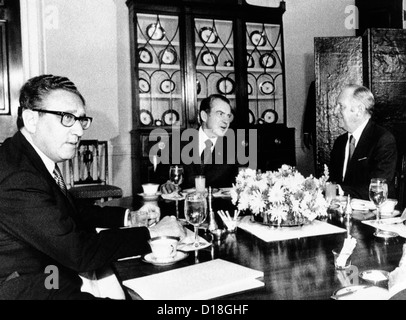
45 224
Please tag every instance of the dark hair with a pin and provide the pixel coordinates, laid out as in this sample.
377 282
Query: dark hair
207 103
36 89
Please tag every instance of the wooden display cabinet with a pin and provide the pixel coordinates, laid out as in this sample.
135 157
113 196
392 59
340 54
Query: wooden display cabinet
182 51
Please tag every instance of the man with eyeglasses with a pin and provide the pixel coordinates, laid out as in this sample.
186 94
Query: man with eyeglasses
219 168
41 226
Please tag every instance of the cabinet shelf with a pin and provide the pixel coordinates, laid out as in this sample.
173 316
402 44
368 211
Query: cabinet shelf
163 43
160 96
155 66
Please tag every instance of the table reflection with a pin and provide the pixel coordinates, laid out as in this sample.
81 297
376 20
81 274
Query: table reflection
297 269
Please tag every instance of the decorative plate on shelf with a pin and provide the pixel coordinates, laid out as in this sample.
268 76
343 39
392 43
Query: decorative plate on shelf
167 86
209 58
170 117
249 89
258 38
226 85
158 123
155 31
198 87
208 35
146 117
168 56
270 116
267 60
250 61
144 55
267 87
228 63
144 85
251 117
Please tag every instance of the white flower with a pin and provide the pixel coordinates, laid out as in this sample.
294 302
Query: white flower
282 194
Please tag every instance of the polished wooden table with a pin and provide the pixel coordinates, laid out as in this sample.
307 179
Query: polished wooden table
298 269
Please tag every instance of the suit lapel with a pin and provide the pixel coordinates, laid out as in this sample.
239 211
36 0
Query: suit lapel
39 165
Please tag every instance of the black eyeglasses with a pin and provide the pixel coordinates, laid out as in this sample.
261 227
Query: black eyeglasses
69 119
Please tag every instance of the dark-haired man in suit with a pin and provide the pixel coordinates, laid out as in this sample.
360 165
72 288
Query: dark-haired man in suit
366 150
41 226
211 143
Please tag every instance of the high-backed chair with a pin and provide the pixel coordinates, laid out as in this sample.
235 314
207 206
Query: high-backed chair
89 173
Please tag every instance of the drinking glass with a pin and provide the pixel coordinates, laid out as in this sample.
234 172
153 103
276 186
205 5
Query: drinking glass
378 194
176 177
195 214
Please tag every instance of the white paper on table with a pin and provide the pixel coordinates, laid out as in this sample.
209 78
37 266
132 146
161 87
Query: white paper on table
200 281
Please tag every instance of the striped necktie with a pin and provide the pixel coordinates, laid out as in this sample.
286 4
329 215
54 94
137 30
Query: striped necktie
206 154
59 179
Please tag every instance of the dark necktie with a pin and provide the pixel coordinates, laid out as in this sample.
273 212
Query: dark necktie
59 179
351 147
206 154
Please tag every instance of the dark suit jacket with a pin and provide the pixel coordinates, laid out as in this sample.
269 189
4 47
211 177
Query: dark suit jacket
40 226
374 157
217 174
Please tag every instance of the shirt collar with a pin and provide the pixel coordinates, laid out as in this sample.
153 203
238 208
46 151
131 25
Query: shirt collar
202 139
357 133
49 164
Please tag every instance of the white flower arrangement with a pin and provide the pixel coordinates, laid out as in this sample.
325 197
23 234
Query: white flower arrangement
281 197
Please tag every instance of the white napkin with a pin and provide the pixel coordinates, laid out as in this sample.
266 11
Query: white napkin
346 251
190 238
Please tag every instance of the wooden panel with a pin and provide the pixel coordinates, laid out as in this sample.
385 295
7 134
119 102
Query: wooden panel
386 74
338 61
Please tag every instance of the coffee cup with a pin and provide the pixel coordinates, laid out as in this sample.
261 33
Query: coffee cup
164 248
150 188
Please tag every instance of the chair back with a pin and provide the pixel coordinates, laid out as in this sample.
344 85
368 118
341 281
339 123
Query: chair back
90 165
88 173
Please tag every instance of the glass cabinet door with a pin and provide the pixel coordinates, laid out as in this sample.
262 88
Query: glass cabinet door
265 73
214 54
159 71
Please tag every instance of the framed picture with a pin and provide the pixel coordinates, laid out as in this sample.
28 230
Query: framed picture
4 83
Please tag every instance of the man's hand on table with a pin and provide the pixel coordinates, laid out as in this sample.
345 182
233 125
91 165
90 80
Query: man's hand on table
168 226
168 187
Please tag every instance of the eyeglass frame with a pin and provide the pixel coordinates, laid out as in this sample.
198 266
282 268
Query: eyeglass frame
63 114
224 116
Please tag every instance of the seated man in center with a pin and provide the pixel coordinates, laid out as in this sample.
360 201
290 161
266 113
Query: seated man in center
216 161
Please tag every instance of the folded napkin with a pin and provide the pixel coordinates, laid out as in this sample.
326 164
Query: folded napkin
346 251
184 245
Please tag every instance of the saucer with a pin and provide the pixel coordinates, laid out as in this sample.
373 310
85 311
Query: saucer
149 258
361 292
150 196
374 276
392 214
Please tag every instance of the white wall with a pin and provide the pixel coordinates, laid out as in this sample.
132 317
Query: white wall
88 41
